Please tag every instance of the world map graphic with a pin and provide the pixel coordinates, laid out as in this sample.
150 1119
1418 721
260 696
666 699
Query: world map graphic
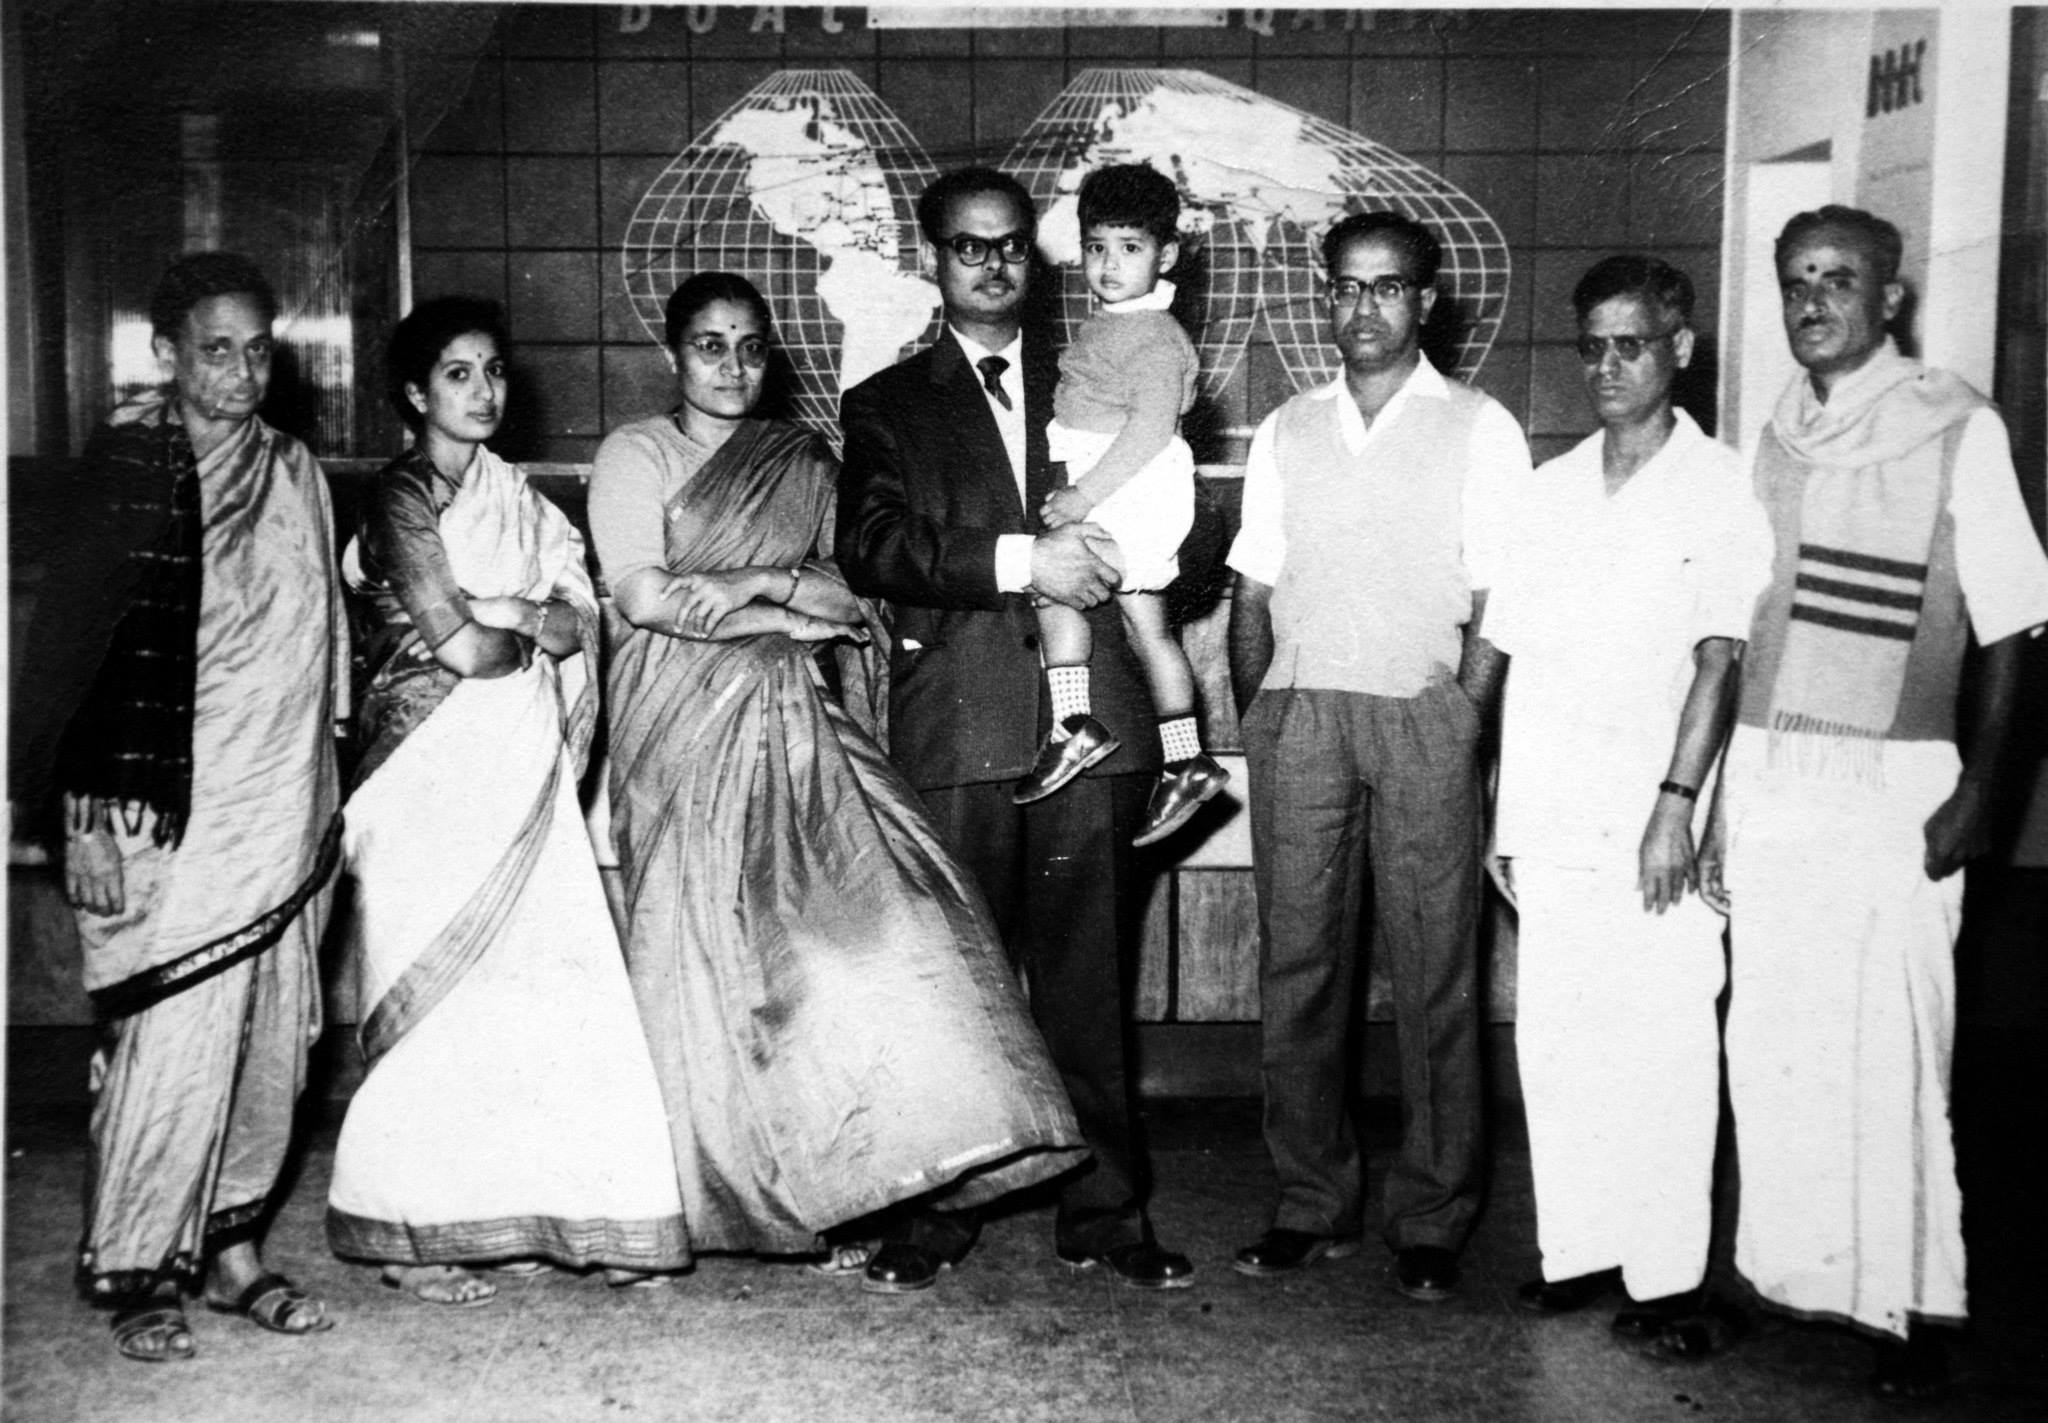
808 186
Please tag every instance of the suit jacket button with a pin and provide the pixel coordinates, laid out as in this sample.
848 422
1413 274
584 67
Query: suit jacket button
1031 642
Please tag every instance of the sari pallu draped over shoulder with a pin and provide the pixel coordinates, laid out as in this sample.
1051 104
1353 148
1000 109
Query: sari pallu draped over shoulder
831 1015
502 540
269 656
509 1109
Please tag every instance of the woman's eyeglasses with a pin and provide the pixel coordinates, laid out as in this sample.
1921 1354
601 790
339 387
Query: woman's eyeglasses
1011 247
753 351
1593 349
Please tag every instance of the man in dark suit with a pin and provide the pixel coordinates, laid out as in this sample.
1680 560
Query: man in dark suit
945 454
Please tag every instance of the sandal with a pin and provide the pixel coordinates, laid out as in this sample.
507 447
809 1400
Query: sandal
152 1329
850 1258
440 1284
272 1302
520 1269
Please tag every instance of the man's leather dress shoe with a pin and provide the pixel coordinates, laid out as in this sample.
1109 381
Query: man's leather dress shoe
1087 741
1564 1296
900 1268
1141 1265
1426 1272
1281 1251
1649 1318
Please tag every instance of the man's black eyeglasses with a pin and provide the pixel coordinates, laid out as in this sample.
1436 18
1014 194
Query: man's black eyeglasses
1011 247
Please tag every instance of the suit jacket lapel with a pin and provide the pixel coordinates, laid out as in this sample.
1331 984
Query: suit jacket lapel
988 459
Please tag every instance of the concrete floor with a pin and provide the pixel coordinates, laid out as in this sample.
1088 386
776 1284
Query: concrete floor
1009 1336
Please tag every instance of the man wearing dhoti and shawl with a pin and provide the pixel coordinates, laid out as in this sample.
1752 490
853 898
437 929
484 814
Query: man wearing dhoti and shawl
189 649
1899 533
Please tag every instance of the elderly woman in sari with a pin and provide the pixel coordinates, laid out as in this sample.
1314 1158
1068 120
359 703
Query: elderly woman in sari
510 1112
831 1015
189 649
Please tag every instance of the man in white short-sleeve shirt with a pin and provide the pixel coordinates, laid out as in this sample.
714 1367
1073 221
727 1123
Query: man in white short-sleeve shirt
1374 512
1627 592
1899 534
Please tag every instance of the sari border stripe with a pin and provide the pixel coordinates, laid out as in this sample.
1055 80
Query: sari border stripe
150 987
456 949
659 1243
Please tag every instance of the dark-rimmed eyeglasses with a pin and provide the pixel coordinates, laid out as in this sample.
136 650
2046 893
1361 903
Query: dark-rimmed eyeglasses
1593 349
970 251
1387 291
753 351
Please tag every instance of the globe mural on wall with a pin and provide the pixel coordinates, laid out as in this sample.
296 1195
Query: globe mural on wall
808 187
1260 182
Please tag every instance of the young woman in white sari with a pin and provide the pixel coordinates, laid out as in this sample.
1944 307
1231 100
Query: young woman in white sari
511 1111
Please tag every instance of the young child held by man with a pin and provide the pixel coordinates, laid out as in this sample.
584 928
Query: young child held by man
1125 382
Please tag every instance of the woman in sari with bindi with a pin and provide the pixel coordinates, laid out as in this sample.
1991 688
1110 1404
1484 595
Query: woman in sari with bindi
510 1112
832 1018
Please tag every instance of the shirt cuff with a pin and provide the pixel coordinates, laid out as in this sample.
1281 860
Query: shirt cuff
1013 562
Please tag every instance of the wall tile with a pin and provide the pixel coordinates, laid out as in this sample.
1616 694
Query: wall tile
1584 105
1503 184
717 86
1119 45
637 383
618 319
1489 104
1515 316
1398 32
478 274
458 201
1553 275
1008 95
1681 103
1178 43
474 122
1675 198
1504 375
622 182
1579 196
550 106
807 43
923 44
934 98
564 385
1399 102
554 296
666 36
1303 32
1217 937
552 201
1046 42
1318 86
1557 393
643 108
552 31
733 36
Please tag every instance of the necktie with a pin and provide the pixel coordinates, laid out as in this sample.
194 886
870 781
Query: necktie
992 368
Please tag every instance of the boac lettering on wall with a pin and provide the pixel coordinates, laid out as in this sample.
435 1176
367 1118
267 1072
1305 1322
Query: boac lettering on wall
1895 79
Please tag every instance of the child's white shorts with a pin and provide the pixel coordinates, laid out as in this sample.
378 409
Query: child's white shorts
1149 516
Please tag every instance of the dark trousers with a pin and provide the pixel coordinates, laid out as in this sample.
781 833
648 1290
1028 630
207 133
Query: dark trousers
1341 784
1061 878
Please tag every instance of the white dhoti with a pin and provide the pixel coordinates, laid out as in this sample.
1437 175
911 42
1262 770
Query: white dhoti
1841 1028
1619 1051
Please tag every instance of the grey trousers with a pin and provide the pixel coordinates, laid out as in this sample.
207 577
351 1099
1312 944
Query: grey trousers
1344 785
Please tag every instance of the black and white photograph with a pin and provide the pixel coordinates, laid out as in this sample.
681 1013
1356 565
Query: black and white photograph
1094 713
